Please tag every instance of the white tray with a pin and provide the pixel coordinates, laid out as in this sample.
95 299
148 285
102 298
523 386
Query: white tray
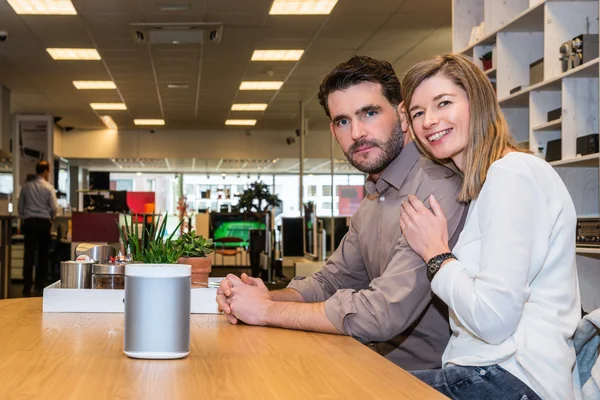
57 299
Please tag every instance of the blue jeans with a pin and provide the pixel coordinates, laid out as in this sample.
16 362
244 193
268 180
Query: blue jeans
489 383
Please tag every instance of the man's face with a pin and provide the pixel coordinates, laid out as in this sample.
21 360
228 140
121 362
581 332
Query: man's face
366 126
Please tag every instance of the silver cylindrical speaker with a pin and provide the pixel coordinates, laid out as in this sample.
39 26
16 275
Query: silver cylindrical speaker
157 310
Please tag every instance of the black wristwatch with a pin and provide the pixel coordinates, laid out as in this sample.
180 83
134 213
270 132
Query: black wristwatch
434 265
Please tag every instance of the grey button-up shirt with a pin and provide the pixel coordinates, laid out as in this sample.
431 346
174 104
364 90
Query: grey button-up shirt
374 286
37 200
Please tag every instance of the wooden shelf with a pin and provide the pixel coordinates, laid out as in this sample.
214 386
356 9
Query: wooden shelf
491 72
587 250
530 20
589 161
521 98
549 126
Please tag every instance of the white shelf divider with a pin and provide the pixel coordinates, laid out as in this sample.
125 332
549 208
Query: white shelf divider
589 161
549 126
587 250
529 20
587 70
491 72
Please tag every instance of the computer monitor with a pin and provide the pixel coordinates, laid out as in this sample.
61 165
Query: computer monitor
292 243
310 230
99 180
233 225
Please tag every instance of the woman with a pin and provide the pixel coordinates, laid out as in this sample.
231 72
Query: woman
511 281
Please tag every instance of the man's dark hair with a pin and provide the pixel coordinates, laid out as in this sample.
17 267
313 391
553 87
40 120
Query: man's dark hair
42 167
360 69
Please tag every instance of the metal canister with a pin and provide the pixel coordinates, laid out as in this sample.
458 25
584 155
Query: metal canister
100 253
76 274
108 276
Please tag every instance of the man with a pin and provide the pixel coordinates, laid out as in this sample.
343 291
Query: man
373 287
37 209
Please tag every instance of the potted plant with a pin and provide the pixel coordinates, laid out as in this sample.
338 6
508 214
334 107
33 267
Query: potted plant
255 203
194 250
257 200
147 244
486 60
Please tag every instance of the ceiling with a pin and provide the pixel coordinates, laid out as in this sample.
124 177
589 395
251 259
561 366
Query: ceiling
193 165
400 31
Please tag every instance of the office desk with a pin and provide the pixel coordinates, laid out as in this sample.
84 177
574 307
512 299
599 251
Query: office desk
80 356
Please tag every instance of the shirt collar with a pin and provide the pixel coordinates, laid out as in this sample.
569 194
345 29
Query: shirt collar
395 174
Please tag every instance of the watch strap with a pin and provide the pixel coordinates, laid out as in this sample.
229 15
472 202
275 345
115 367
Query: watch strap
435 263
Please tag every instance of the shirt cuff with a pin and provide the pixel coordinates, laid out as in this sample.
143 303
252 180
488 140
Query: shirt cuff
309 289
441 283
338 307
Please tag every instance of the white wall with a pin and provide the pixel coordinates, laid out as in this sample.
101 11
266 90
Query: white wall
235 144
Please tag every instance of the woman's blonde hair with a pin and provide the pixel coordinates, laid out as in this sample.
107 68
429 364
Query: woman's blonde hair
489 135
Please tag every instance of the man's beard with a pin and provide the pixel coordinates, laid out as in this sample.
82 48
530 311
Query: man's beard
389 151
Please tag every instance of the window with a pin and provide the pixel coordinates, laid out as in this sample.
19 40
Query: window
326 190
6 183
124 184
311 190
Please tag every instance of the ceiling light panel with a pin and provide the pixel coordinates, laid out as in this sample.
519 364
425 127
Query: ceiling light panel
277 55
109 122
261 85
249 107
147 122
240 122
108 106
94 85
43 7
302 7
74 54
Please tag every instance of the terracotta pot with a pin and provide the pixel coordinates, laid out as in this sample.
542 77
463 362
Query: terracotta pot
201 267
487 64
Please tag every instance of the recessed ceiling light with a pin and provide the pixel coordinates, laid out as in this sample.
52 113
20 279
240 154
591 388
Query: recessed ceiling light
174 7
249 107
46 7
302 7
149 121
94 84
109 122
74 54
261 85
177 86
241 122
108 106
277 55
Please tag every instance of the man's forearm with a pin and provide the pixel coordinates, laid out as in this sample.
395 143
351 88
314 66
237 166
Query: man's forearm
286 295
300 316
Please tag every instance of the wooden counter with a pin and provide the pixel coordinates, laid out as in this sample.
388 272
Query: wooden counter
80 356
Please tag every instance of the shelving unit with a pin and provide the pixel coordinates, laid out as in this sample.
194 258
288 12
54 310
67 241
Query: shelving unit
519 33
588 250
548 126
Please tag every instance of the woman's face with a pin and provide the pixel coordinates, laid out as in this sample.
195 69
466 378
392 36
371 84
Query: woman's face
440 118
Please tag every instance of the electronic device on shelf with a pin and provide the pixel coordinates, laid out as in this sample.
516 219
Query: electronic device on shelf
587 144
588 232
554 150
578 51
555 114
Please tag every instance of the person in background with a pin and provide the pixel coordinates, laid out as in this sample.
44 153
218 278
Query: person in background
511 280
37 210
373 287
